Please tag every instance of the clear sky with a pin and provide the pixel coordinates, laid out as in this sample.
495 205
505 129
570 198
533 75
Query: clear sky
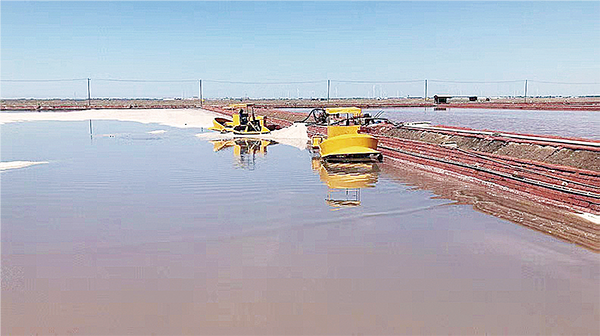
298 41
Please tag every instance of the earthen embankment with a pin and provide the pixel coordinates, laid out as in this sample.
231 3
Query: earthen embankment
568 103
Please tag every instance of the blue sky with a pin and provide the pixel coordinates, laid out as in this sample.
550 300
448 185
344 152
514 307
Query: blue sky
297 41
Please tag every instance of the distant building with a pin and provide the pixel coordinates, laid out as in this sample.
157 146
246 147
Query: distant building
439 99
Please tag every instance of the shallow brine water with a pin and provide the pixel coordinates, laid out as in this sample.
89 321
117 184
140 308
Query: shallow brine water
148 229
580 124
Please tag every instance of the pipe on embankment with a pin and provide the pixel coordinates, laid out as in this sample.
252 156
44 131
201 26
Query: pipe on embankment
572 143
575 188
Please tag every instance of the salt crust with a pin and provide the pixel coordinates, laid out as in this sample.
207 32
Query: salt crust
590 217
180 118
18 164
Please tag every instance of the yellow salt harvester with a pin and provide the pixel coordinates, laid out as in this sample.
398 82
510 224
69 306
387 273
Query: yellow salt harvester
244 122
343 141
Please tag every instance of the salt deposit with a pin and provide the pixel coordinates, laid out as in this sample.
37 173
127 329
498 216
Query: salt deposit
18 164
181 118
295 135
591 217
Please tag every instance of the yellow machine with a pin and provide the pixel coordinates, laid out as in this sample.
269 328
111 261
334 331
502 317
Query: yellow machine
345 180
245 122
343 142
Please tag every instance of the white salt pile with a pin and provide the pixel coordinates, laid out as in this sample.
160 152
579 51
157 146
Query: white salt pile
295 135
181 118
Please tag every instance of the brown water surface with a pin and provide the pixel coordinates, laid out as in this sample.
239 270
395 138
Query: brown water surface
140 233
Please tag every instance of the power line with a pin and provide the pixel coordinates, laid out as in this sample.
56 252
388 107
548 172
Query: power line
43 80
378 82
283 83
146 80
567 83
476 82
265 83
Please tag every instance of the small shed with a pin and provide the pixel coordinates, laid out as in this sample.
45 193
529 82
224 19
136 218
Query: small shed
438 99
441 99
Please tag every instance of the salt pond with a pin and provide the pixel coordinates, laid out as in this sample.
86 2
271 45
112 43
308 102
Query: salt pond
146 232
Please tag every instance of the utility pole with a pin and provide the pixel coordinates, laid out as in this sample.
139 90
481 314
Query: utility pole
200 91
89 93
328 86
426 89
525 97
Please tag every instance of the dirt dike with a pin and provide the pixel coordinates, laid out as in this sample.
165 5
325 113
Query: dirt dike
576 157
531 103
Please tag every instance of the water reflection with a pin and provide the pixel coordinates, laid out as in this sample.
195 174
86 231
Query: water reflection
245 150
345 180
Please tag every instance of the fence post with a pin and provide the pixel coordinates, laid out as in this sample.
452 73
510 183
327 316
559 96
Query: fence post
525 95
200 91
89 93
328 86
426 89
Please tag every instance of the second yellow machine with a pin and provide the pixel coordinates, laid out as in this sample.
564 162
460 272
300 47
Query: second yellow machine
343 141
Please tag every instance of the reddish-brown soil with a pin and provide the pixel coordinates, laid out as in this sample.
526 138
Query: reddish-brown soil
585 104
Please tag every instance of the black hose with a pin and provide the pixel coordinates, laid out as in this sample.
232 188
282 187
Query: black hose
321 118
